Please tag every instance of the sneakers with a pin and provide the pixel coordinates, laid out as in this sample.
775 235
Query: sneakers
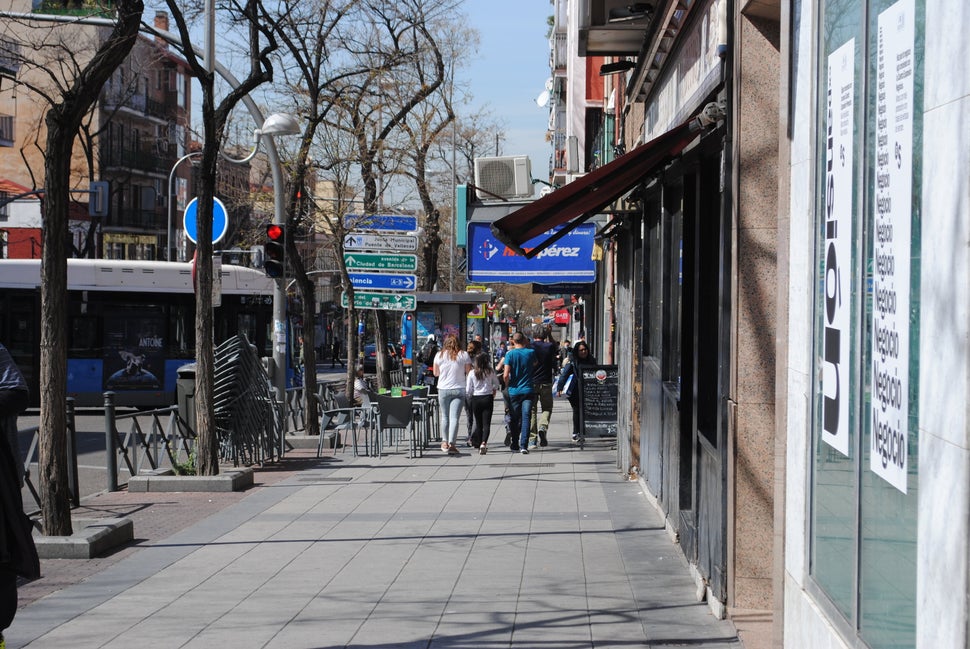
453 450
542 437
575 437
481 450
445 448
514 448
524 451
533 446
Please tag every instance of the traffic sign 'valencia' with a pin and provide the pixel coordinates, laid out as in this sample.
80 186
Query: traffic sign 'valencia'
384 281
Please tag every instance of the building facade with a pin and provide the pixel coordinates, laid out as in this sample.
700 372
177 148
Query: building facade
680 157
131 139
876 374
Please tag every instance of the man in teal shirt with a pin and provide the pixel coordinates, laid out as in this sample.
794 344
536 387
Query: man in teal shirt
520 362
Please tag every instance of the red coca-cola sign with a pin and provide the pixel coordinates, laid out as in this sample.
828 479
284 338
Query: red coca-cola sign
561 317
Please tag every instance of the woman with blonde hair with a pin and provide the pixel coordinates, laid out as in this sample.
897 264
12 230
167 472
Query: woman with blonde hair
451 366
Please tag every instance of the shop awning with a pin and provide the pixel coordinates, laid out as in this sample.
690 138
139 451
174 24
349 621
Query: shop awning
578 201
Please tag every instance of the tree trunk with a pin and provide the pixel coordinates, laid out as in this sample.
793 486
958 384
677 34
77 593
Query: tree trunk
55 501
207 443
63 122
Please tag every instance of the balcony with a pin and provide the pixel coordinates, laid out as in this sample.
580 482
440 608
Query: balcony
118 99
145 158
559 53
615 27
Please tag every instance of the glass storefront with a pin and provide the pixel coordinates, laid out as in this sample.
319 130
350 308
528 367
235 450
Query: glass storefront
866 411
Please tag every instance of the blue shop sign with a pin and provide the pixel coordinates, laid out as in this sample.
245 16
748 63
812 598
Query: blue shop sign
568 260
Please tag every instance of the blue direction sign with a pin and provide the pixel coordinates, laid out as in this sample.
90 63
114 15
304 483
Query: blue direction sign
381 242
382 301
220 220
384 281
392 222
356 261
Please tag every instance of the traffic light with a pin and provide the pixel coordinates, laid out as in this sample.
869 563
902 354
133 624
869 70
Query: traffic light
274 261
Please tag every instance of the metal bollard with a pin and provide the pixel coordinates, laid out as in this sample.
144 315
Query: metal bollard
72 479
110 441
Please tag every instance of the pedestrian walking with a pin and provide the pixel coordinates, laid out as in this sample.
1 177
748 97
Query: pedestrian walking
474 348
481 386
451 366
567 383
519 365
335 353
14 397
565 349
18 555
547 352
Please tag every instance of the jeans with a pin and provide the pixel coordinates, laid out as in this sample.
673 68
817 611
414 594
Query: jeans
452 403
521 407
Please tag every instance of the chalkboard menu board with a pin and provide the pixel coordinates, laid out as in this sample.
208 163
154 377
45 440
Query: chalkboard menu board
597 399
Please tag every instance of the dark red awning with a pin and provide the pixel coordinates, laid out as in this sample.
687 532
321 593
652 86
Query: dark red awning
580 200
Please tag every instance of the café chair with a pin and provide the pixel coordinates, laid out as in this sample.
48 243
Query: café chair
394 414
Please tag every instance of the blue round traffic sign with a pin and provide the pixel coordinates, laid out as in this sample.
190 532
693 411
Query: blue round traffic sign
220 220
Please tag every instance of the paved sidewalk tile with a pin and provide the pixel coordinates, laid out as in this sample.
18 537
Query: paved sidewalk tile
552 549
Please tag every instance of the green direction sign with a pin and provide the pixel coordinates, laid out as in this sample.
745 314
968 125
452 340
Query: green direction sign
382 301
377 261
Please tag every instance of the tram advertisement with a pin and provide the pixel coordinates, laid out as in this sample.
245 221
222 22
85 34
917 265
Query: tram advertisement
134 352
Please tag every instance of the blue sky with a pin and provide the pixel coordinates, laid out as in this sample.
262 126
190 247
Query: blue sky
510 70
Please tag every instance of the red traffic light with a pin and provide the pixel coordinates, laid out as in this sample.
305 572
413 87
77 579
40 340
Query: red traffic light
275 232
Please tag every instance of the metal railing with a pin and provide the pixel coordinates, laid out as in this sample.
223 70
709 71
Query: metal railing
144 443
33 453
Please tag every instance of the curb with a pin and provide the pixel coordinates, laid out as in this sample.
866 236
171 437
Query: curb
229 479
92 537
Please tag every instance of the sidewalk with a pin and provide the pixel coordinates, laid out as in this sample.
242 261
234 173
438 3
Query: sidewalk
550 549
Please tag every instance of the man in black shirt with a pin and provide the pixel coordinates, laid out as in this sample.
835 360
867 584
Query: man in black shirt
547 354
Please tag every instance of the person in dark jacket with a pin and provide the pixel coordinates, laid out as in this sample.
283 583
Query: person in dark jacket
567 382
18 555
14 398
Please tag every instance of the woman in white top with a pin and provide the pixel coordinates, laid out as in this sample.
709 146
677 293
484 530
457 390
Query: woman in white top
481 385
451 365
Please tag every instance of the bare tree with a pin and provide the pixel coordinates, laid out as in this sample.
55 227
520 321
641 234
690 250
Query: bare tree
308 32
399 47
261 43
73 99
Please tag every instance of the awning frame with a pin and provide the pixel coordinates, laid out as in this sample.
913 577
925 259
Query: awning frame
584 198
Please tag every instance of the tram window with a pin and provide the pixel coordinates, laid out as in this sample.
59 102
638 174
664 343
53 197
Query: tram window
182 330
246 325
84 336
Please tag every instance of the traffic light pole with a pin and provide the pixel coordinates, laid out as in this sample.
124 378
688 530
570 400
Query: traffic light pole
279 285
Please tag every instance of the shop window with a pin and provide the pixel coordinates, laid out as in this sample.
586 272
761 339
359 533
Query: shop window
653 281
865 408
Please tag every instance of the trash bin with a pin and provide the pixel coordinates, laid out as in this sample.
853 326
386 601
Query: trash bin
185 393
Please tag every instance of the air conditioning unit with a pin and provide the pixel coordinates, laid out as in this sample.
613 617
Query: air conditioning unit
503 177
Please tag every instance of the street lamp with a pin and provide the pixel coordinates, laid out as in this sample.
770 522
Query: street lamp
171 203
275 124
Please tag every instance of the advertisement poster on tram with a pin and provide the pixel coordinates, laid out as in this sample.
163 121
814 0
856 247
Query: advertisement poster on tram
134 352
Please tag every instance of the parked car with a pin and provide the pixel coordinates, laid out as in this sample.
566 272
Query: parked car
370 357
